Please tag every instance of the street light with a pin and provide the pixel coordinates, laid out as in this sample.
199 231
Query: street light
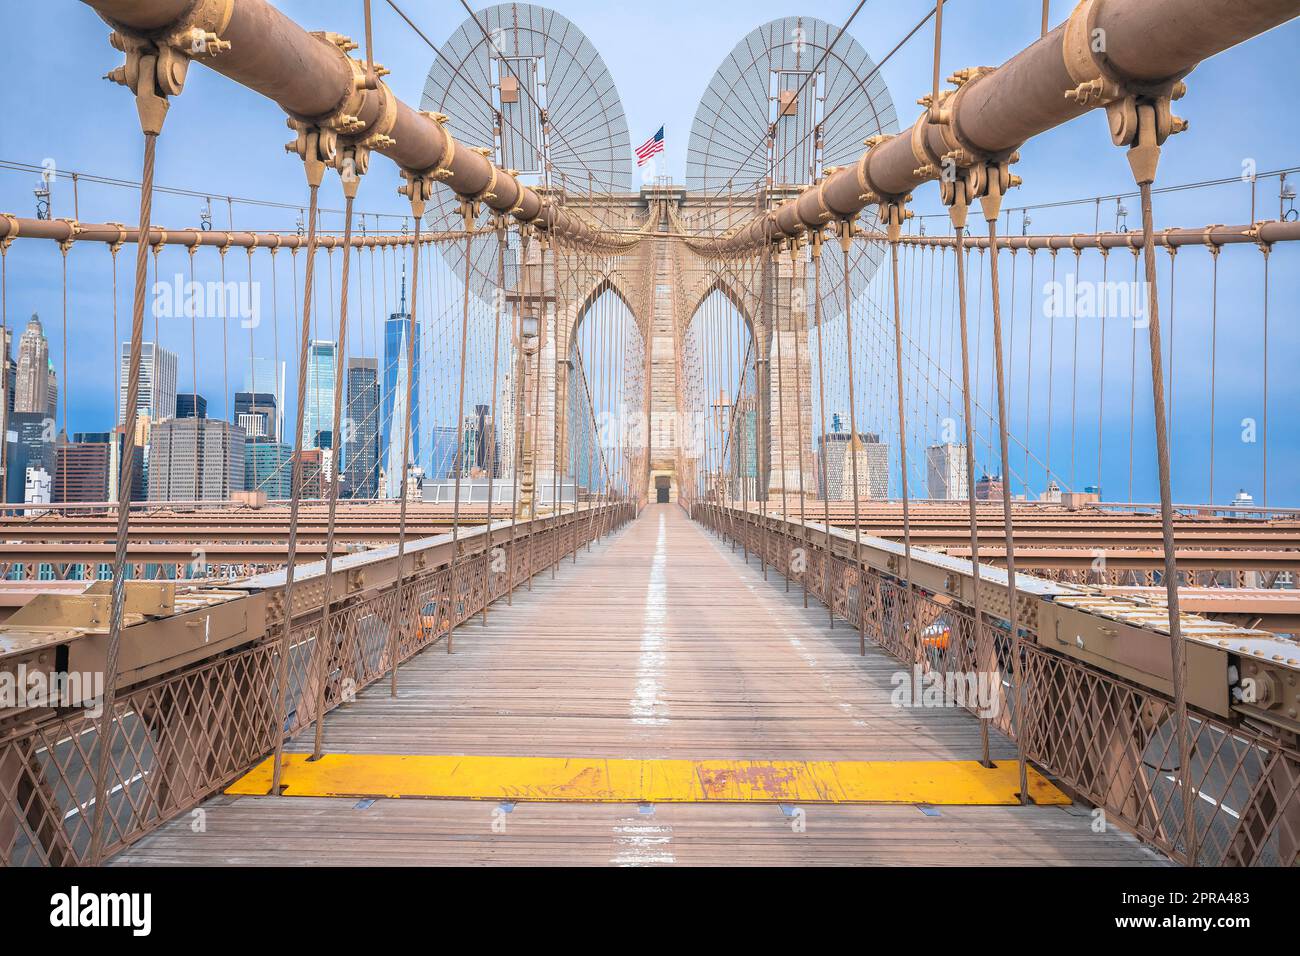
528 332
1286 201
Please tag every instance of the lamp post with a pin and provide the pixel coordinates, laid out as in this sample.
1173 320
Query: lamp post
528 340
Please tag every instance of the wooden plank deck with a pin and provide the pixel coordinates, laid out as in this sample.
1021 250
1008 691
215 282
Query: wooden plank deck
659 643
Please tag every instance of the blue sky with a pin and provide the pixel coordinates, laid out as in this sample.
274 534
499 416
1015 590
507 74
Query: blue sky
223 138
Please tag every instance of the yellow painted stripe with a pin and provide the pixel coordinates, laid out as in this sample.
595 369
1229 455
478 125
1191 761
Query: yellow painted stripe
597 780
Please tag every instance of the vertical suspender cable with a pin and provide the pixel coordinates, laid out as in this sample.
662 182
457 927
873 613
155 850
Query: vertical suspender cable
1074 374
557 485
1029 362
799 407
1008 530
325 637
1214 357
981 656
1132 381
517 398
399 622
461 458
1101 365
1263 498
1178 650
65 247
780 398
828 592
763 382
910 597
498 299
126 473
296 473
543 331
846 240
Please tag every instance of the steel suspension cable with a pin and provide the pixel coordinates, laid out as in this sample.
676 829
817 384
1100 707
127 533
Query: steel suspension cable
399 598
780 401
325 638
461 458
817 240
1008 528
909 593
855 442
799 413
126 473
1178 650
296 481
981 651
498 300
1214 357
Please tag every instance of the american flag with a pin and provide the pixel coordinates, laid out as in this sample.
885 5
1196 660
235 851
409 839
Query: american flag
655 144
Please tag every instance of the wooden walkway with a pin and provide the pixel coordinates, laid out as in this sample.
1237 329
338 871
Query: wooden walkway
660 643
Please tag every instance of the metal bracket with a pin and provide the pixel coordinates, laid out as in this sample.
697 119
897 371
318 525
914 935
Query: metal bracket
74 230
893 213
315 146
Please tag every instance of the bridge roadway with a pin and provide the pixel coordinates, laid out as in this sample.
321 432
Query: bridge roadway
660 643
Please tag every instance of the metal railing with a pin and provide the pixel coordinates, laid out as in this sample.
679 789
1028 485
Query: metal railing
1109 740
182 736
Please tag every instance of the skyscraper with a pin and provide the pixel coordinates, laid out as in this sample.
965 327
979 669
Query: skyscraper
312 474
443 455
81 469
157 395
139 466
8 378
945 472
11 374
37 487
32 379
266 377
477 435
830 462
257 414
870 456
190 405
52 393
396 332
195 459
742 447
267 467
988 488
361 429
32 446
505 449
319 417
